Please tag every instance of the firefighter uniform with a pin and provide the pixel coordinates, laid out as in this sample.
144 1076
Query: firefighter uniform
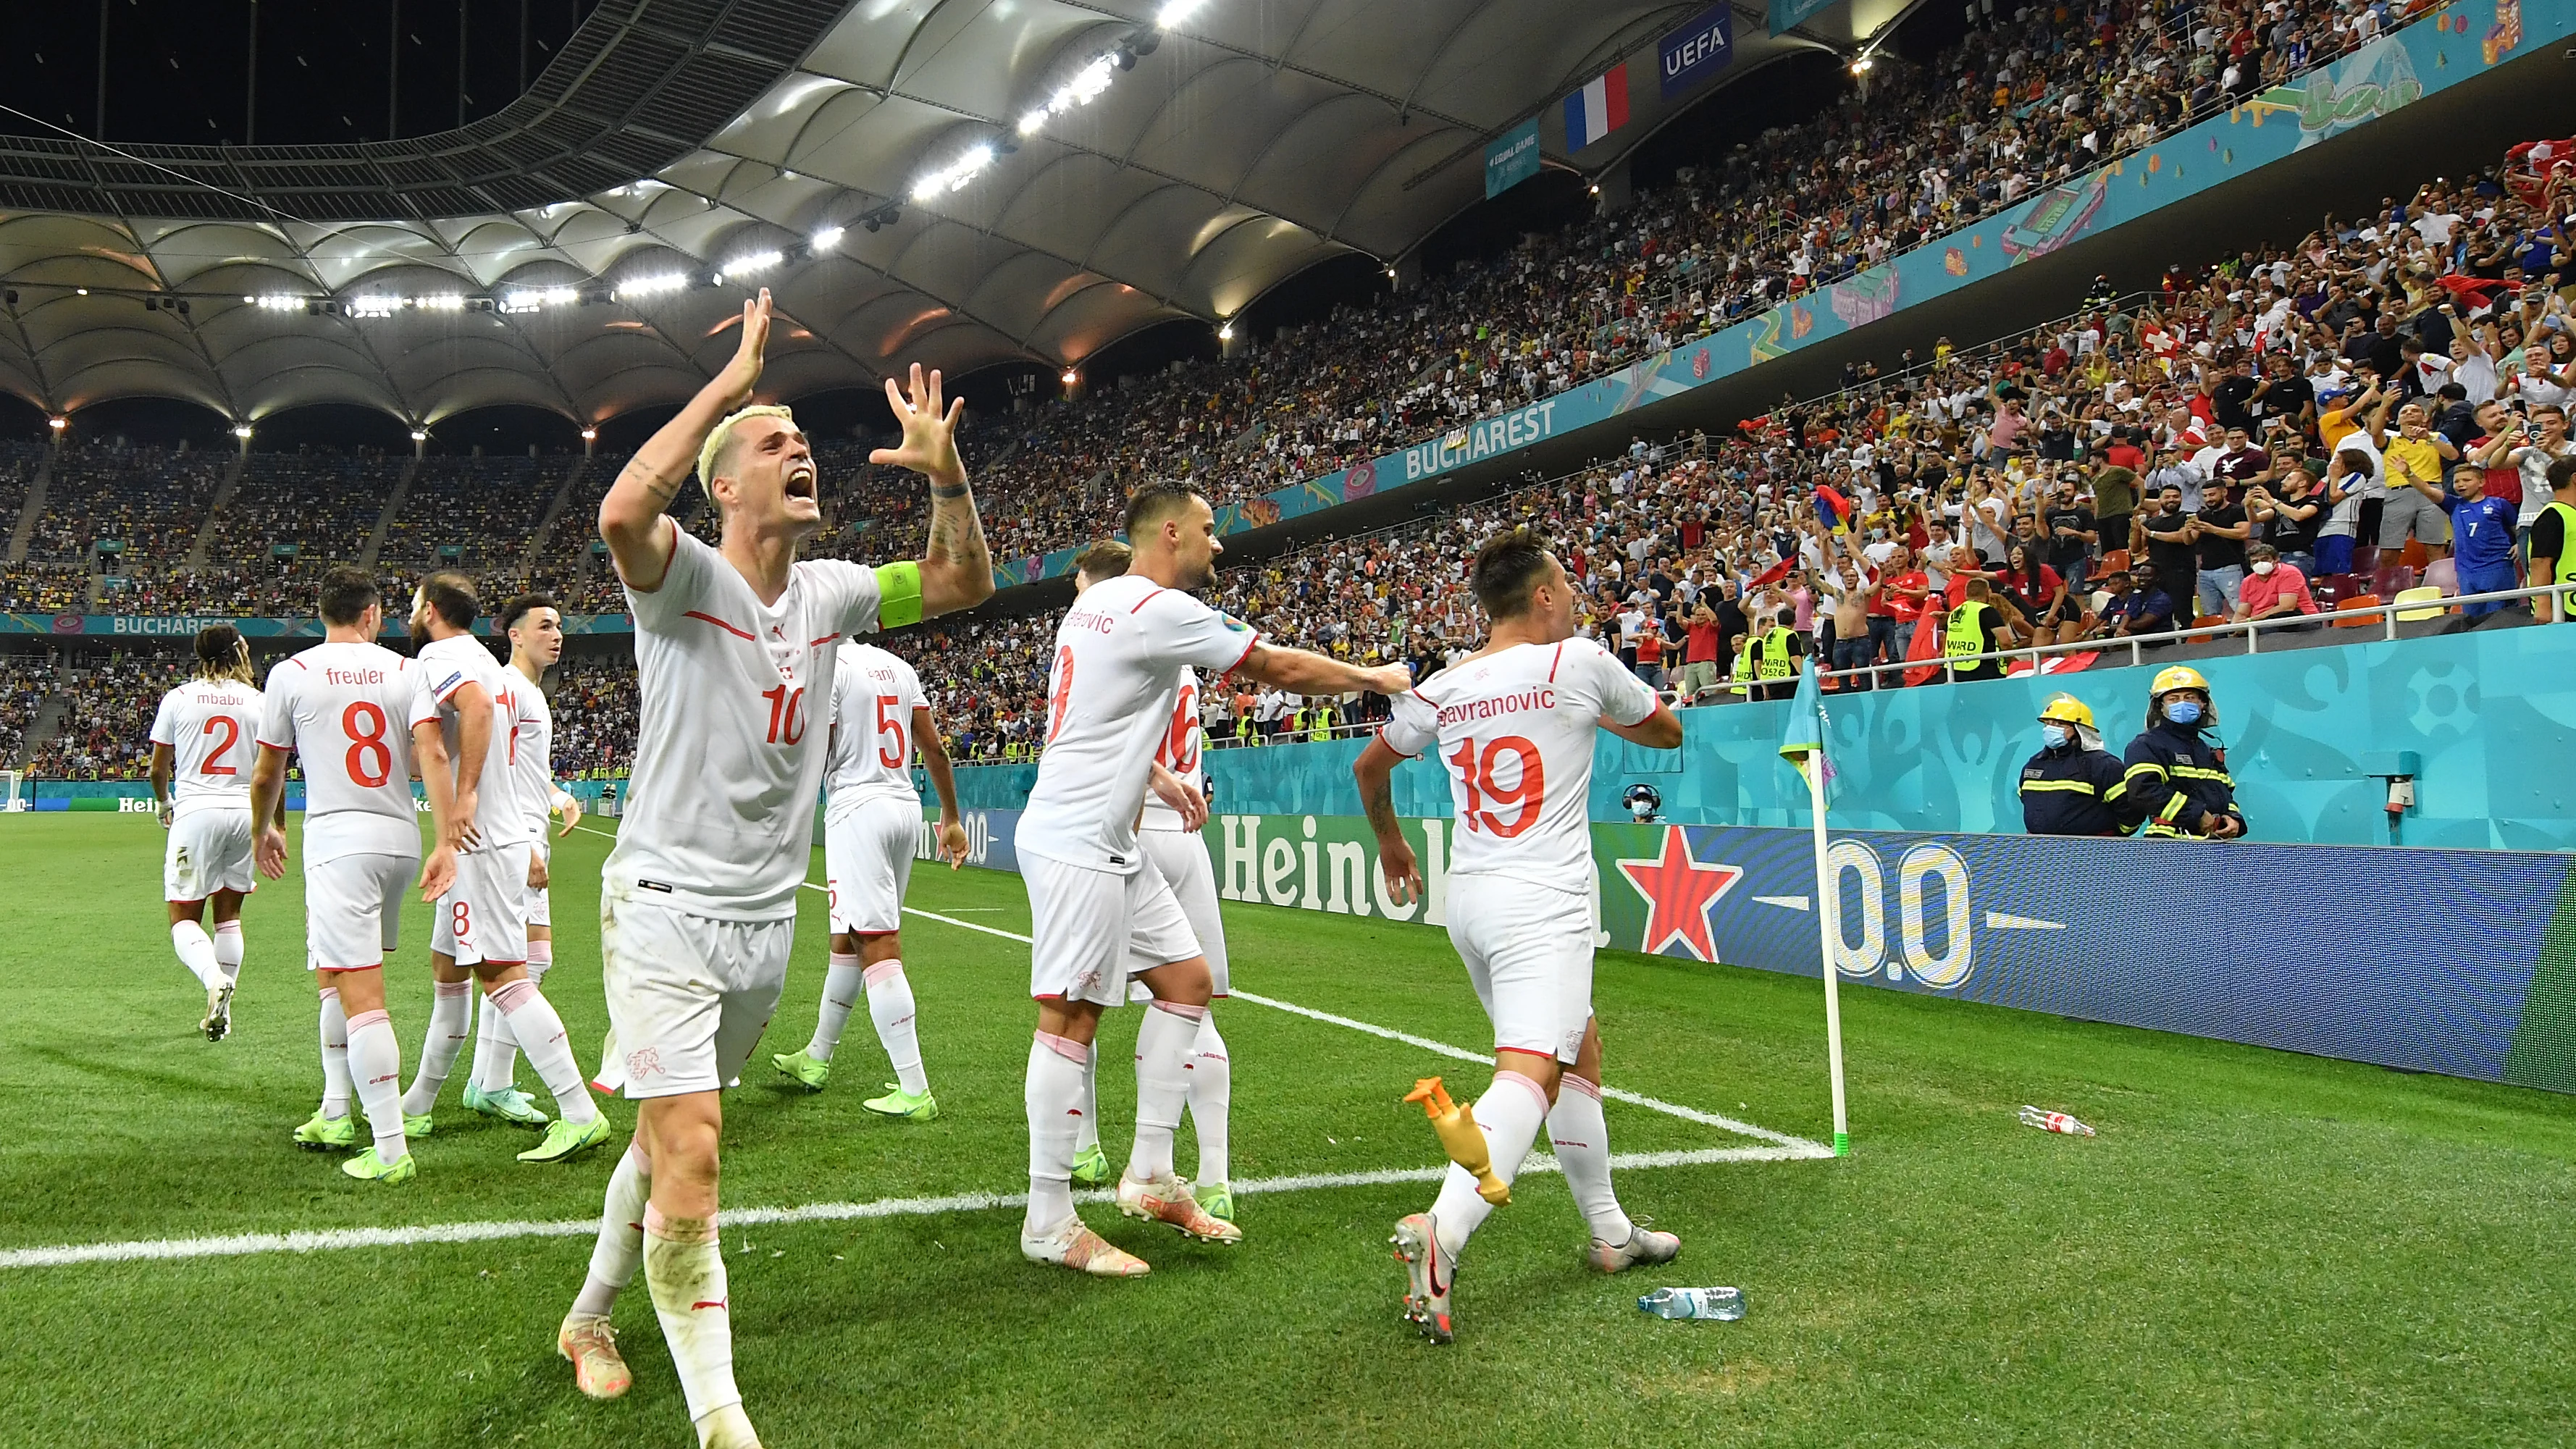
2174 774
2075 788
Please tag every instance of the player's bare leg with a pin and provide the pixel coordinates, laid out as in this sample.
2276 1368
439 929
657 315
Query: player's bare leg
1510 1114
684 1265
1581 1137
1051 1232
375 1073
1151 1188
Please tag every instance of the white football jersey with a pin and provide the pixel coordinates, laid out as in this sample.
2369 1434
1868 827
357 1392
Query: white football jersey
1178 752
873 698
348 710
447 666
1515 731
734 709
212 729
1110 691
532 750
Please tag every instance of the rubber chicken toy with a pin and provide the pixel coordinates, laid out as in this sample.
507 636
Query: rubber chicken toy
1460 1137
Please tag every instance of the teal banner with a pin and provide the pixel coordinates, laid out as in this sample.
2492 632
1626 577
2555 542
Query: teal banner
1512 158
1787 15
2453 44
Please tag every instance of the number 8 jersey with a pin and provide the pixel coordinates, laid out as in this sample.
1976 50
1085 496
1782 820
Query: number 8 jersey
1514 728
347 710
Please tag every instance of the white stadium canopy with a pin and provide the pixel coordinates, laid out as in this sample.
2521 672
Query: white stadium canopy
954 182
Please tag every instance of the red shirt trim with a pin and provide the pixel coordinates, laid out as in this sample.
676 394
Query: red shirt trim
743 635
1390 745
1238 659
1149 598
1555 663
818 643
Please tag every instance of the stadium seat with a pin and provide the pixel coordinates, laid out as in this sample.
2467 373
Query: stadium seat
2389 580
2116 561
2419 597
2333 589
2415 555
2358 612
2443 575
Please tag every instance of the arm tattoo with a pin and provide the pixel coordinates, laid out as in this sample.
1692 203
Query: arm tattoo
1379 803
956 530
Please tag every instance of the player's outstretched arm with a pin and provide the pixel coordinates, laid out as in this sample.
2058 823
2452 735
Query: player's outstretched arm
957 567
1661 730
1375 772
268 811
1301 672
630 517
934 758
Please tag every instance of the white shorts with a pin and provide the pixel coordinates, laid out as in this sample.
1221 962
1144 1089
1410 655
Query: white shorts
353 909
541 901
688 996
1528 951
208 851
1183 859
484 916
867 863
1088 925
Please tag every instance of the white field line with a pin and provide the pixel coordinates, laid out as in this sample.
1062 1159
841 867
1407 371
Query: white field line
241 1245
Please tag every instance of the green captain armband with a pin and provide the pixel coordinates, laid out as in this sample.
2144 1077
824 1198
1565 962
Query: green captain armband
898 595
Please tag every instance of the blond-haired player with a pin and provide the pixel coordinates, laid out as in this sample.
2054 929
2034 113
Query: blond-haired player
1094 897
737 649
1514 723
203 737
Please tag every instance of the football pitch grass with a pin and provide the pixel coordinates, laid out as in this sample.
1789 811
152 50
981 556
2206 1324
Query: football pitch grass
2259 1248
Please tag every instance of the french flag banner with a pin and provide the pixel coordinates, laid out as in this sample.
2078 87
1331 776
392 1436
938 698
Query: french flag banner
1598 109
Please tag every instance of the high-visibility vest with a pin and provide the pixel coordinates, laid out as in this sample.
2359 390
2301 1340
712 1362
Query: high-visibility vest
2566 561
1966 638
1320 724
1743 669
1242 727
1777 661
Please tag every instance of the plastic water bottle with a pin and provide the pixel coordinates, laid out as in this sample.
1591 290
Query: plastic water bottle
1720 1303
2054 1122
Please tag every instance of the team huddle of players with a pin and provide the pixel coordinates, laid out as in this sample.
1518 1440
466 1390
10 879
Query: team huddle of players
756 689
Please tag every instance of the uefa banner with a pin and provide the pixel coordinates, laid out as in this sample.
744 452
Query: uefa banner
2460 962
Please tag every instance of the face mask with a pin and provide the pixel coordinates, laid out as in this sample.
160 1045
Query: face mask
2183 711
2265 567
2056 734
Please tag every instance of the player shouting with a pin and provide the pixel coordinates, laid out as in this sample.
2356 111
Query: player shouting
1094 897
736 650
357 714
535 629
1513 723
481 931
201 737
871 829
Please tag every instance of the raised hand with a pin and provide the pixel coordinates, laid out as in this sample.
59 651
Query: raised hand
929 424
742 374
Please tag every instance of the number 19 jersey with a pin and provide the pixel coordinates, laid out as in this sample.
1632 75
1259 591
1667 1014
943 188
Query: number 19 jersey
347 710
1515 730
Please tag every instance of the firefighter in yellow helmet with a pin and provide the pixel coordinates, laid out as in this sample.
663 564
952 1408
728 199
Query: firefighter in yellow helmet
2179 788
2072 786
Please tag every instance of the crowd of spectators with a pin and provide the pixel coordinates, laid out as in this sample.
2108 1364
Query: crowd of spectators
132 505
107 717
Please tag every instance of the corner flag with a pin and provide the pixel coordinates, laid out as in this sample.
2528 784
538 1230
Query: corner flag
1802 743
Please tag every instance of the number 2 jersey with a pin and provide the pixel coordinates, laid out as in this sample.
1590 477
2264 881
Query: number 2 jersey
1514 729
1178 752
447 666
872 703
734 709
1110 695
210 726
347 709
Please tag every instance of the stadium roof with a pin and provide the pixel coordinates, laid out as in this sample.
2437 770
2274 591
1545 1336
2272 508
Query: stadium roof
676 139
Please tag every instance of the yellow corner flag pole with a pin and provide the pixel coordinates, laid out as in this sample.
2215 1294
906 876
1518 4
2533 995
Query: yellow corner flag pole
1829 934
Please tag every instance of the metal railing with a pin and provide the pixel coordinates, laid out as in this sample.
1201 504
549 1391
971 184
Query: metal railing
2386 612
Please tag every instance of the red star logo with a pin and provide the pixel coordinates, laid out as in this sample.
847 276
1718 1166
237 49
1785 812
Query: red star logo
1679 892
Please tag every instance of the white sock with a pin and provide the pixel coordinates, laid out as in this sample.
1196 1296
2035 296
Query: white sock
335 1056
620 1249
540 1033
1211 1088
1162 1044
496 1052
840 994
890 1003
1510 1114
1086 1135
1054 1098
451 1011
375 1069
228 949
196 952
1581 1137
684 1266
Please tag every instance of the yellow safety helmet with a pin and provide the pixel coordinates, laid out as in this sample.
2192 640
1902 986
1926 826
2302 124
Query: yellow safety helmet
2180 676
2067 709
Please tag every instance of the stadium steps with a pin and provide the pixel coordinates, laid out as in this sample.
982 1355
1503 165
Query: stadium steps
546 526
393 510
47 726
32 509
224 492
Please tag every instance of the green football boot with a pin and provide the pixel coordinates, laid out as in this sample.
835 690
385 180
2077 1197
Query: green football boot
327 1134
367 1167
899 1103
1217 1201
567 1139
1091 1167
509 1104
805 1071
